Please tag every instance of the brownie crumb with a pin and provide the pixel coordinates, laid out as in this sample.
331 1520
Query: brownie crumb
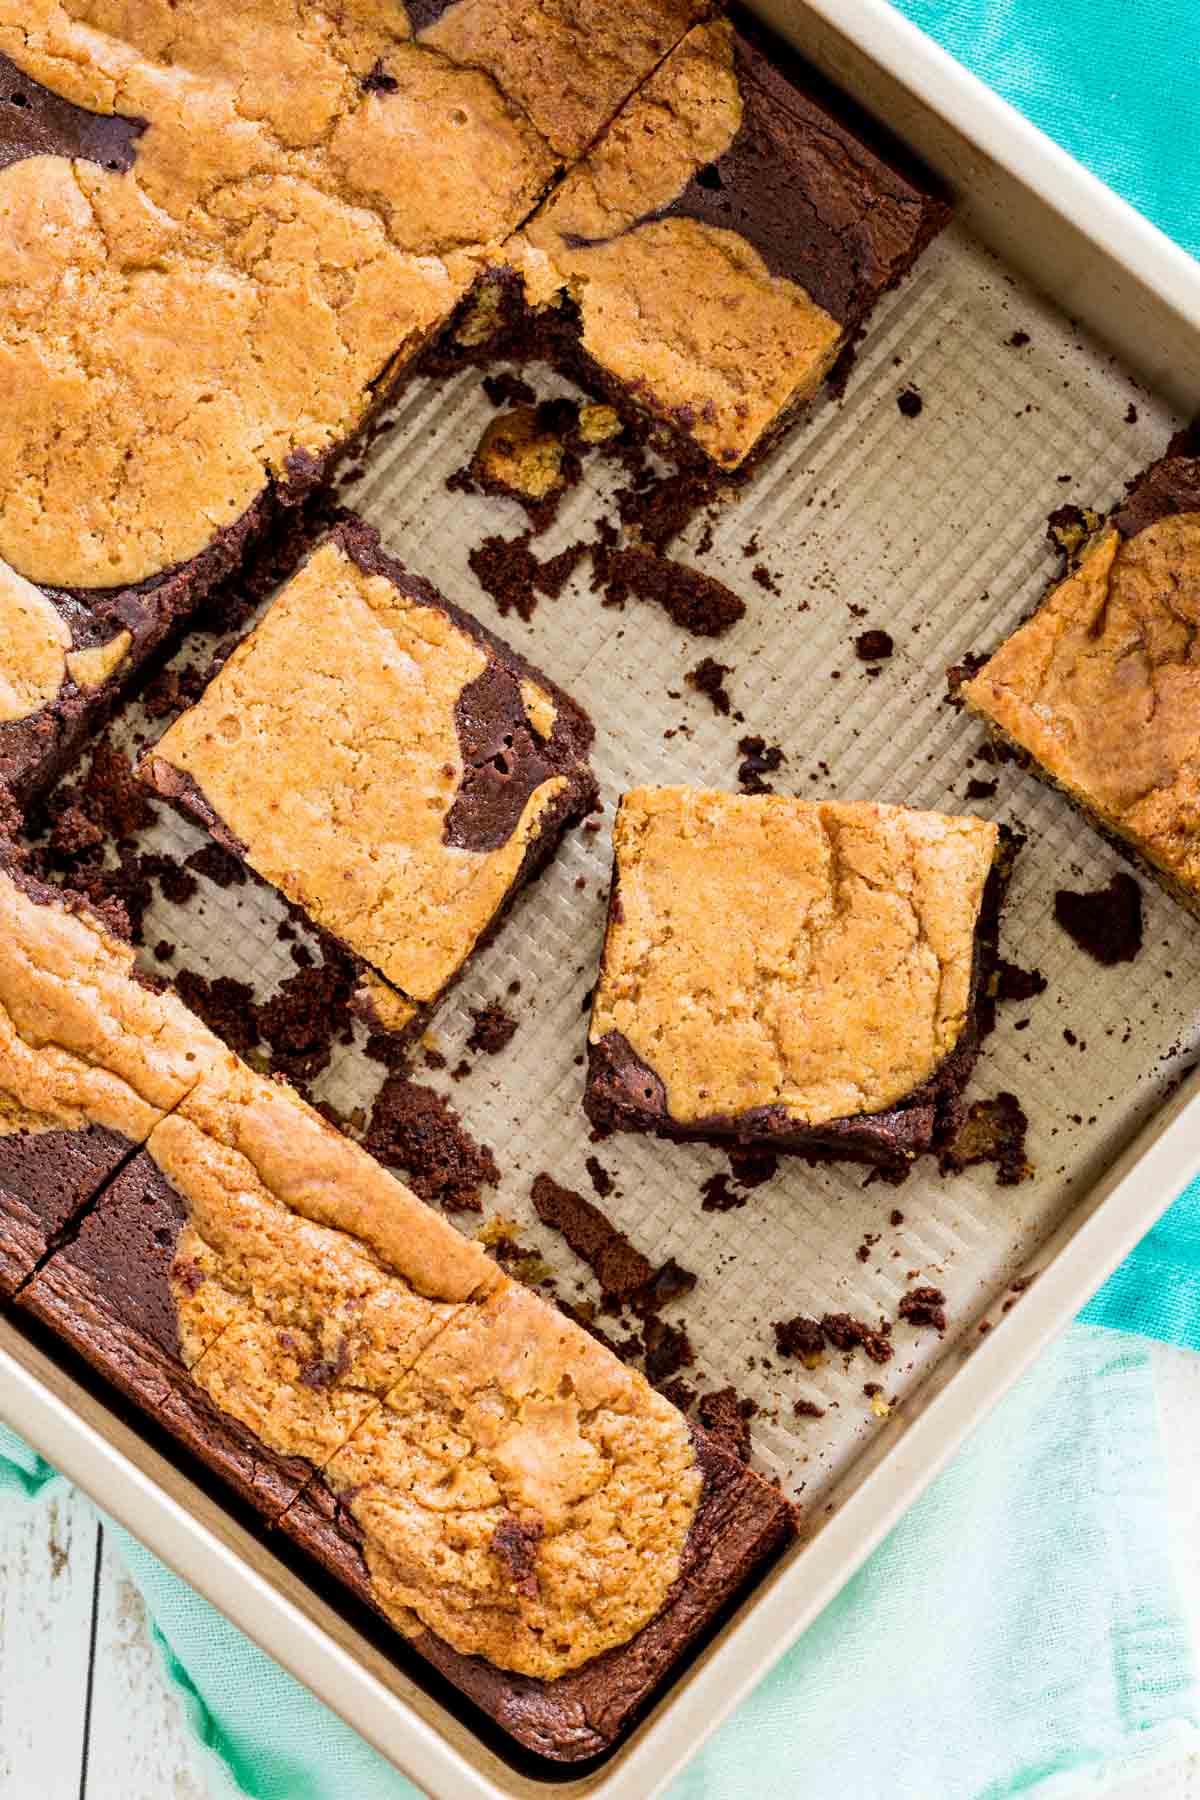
847 1334
307 1012
807 1409
412 1128
1018 340
226 1006
621 1270
910 403
758 759
708 678
800 1337
669 1283
494 1029
717 1195
895 1217
751 1167
1131 414
175 882
874 646
1015 983
959 673
666 1350
981 790
515 1544
655 513
993 1131
218 865
696 602
1106 924
601 1180
508 389
508 570
924 1306
721 1415
763 578
679 1394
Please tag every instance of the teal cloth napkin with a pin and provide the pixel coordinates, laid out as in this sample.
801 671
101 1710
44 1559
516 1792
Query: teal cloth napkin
1020 1629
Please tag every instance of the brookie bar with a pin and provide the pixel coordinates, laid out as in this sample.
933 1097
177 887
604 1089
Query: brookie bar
404 791
1101 687
804 975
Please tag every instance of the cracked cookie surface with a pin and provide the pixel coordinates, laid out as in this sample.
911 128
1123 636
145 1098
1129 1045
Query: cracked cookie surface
176 332
1102 687
764 952
397 793
721 241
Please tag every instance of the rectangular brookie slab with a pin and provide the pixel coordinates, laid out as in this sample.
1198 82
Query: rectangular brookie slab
1100 689
391 767
542 1526
803 975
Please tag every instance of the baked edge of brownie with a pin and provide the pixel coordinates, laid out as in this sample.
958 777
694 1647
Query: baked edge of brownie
83 1306
920 1121
78 1164
741 1522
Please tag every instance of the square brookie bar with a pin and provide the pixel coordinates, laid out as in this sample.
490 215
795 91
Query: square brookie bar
805 975
1101 687
385 762
722 246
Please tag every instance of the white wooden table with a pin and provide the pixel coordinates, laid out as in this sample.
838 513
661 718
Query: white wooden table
86 1715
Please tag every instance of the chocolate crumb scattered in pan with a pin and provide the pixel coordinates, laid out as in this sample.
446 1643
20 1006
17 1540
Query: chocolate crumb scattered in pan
1107 924
414 1129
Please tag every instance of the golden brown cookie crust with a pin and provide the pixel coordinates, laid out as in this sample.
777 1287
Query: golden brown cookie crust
346 812
767 952
515 1414
568 63
173 333
1102 688
720 342
82 1040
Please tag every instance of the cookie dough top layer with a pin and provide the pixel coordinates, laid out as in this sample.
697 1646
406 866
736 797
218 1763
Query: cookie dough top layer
769 952
721 241
395 792
293 199
1102 687
568 63
515 1425
326 1308
83 1041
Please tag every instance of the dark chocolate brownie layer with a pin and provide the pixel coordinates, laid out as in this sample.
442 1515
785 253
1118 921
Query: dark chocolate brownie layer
36 122
45 1177
741 1522
107 1292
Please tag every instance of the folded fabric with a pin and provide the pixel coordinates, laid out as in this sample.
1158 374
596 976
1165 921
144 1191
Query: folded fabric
1020 1626
1113 84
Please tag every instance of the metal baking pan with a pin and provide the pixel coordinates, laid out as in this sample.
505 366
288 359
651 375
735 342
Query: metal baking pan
931 528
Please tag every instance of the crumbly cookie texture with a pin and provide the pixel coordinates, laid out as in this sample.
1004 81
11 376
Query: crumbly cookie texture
1102 687
770 952
515 1417
309 198
355 793
83 1042
326 1308
568 63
